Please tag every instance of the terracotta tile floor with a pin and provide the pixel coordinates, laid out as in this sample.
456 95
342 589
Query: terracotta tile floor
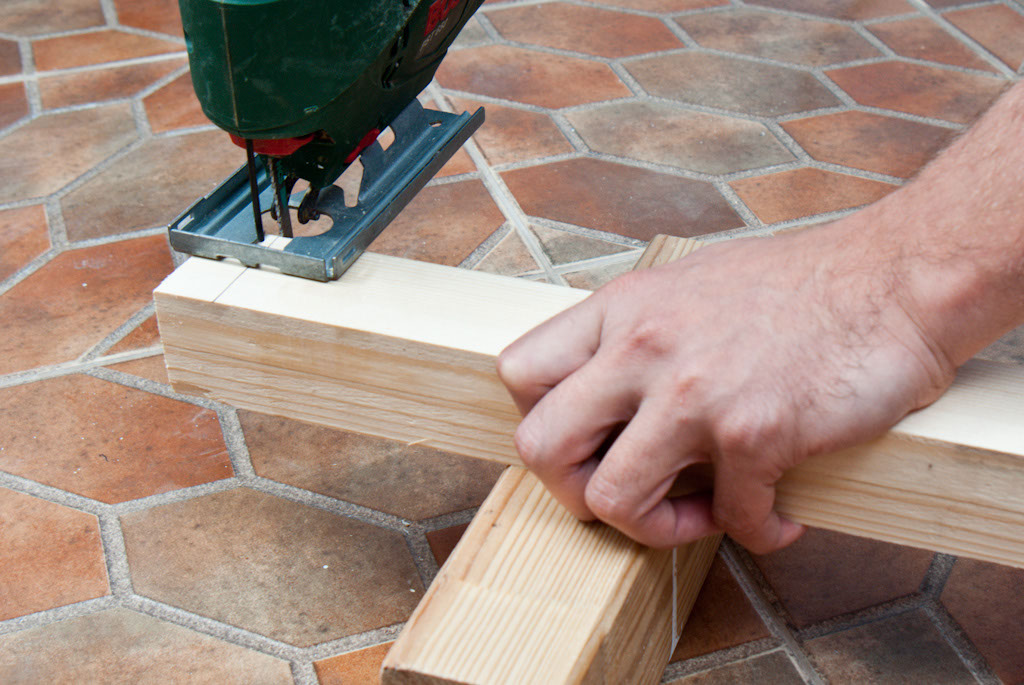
145 534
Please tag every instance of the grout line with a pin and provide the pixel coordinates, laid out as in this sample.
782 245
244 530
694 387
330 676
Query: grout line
958 641
68 368
119 333
41 619
234 441
422 556
51 493
706 663
115 555
974 45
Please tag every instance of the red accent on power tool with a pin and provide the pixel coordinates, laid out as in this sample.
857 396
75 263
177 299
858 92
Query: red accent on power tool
366 142
439 9
281 147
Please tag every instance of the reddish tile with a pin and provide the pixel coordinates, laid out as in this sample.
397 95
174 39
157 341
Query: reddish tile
23 236
13 103
174 106
515 135
10 58
50 151
162 16
471 34
121 646
508 257
443 224
152 368
50 556
927 91
1008 350
731 84
361 667
443 542
275 567
795 194
997 27
777 36
584 29
620 199
872 142
108 442
772 668
102 84
563 247
76 299
414 482
662 134
597 276
947 3
922 38
722 617
152 184
902 649
532 77
35 17
146 335
842 9
111 45
665 5
986 600
826 574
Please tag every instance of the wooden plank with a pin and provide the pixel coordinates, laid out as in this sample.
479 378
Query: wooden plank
406 350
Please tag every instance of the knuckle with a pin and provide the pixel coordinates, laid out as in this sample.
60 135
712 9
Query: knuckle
606 502
527 443
513 368
735 521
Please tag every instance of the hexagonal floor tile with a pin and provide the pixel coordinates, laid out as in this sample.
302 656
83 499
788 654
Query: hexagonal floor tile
13 103
35 17
826 574
665 5
922 38
509 257
584 29
841 9
872 142
620 199
10 58
731 84
121 646
795 194
50 556
514 135
174 106
360 666
162 16
281 569
777 36
528 76
50 151
23 236
998 27
97 47
151 185
773 667
78 88
78 298
414 482
916 89
659 133
106 441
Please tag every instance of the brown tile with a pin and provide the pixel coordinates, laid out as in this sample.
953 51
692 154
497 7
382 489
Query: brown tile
275 567
722 617
798 193
1009 349
922 38
108 442
152 368
76 299
121 646
35 17
174 106
620 199
13 103
986 600
872 142
50 556
563 247
443 542
826 574
776 36
146 335
23 237
912 88
98 85
662 134
901 649
772 668
947 3
509 257
665 5
10 58
111 45
472 34
361 667
414 482
730 83
997 27
527 76
600 32
50 151
515 135
842 9
444 224
597 276
162 16
153 184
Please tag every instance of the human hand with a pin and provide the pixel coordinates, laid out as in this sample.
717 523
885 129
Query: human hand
750 355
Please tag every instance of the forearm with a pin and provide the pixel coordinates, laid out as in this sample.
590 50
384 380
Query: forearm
954 236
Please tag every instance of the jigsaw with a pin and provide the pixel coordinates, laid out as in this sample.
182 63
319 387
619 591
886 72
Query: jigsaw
306 87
